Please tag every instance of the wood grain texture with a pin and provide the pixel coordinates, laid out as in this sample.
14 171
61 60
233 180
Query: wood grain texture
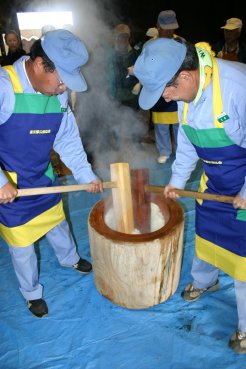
137 271
122 197
59 189
140 199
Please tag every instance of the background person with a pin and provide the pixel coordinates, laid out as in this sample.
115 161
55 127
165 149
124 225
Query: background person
212 104
121 84
150 35
15 51
164 114
34 112
231 47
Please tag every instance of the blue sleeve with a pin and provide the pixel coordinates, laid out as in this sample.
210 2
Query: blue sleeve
185 162
7 98
243 190
3 179
69 146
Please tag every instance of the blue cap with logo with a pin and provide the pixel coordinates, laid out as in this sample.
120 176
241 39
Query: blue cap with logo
155 67
68 53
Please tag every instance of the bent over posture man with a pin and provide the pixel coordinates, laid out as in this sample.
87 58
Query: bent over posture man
34 118
212 111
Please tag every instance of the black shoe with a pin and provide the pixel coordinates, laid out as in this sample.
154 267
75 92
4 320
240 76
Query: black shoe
238 342
37 307
83 266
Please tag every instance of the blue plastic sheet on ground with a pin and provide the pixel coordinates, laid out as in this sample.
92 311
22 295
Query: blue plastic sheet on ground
84 330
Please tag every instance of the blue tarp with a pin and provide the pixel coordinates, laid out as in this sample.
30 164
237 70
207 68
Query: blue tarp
84 330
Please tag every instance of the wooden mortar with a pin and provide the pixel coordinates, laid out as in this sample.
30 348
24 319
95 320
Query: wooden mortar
137 271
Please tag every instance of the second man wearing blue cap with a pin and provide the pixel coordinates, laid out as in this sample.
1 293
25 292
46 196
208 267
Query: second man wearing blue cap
211 95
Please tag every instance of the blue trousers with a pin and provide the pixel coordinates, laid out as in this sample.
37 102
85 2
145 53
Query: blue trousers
24 259
205 275
163 138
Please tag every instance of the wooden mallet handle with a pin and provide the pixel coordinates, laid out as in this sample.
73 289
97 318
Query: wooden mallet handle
193 194
59 189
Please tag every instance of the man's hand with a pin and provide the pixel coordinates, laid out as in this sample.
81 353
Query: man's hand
7 193
130 71
169 192
136 89
239 202
96 186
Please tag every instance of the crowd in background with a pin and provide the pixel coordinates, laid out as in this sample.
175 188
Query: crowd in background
123 87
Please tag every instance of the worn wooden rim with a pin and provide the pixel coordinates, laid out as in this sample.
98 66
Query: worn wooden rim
171 210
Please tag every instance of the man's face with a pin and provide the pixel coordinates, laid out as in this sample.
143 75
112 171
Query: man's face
47 83
12 41
183 88
122 42
51 84
231 35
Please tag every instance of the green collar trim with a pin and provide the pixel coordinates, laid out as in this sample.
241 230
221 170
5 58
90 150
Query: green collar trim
204 60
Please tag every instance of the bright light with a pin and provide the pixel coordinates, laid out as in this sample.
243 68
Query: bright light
36 20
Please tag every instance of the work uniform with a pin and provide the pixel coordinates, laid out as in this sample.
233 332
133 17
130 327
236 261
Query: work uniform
216 128
31 124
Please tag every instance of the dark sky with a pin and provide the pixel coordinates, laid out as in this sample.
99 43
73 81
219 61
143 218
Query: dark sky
199 21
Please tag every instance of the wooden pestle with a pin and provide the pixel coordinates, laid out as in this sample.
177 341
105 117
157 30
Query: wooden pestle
113 184
130 206
141 200
122 197
121 193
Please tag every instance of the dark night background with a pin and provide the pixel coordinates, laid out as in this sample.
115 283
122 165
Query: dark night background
198 21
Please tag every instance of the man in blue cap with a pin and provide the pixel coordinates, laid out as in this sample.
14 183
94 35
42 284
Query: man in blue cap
34 118
211 95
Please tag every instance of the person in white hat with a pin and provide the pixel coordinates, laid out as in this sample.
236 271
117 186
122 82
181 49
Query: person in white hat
211 96
232 47
151 34
34 118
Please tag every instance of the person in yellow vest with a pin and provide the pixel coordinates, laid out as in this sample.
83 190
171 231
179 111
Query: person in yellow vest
34 118
164 114
211 95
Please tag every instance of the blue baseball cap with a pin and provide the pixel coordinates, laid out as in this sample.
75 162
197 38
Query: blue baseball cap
68 53
156 65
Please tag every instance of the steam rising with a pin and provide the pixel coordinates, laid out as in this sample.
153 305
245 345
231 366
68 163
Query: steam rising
99 117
